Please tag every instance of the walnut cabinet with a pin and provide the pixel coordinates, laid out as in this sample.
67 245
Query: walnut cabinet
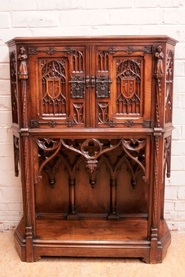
92 124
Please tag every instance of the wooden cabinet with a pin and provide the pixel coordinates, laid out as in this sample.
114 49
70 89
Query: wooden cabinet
92 124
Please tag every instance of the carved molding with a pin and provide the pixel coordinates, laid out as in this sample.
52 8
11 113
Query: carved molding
51 123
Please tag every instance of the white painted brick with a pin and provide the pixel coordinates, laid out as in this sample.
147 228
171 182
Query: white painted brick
174 16
169 206
6 163
97 4
172 215
114 30
5 87
4 56
18 5
13 194
182 227
60 4
158 3
171 193
181 216
15 207
180 206
179 68
180 51
13 215
5 119
3 215
6 150
35 19
5 21
16 32
179 85
178 148
3 207
178 163
6 134
4 71
177 178
94 17
8 178
183 132
176 135
5 103
62 31
181 193
179 116
137 16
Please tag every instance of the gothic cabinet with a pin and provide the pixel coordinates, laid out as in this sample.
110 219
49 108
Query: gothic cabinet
92 123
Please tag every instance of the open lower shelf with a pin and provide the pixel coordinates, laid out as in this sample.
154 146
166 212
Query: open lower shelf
92 238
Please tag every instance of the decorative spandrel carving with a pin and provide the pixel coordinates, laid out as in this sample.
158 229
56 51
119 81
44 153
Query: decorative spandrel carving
169 86
128 79
103 108
22 58
13 81
78 113
53 87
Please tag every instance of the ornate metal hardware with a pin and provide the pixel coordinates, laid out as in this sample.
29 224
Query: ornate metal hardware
51 123
102 85
77 87
129 123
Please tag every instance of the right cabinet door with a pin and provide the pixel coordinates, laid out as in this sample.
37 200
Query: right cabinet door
122 80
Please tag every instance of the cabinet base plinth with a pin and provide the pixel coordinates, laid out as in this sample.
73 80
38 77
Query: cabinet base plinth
125 238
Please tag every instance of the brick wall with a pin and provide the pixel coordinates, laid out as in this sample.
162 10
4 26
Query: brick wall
92 17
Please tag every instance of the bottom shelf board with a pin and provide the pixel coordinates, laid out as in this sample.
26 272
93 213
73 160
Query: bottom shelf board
91 238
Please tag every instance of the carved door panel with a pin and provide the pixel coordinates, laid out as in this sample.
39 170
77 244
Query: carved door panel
57 80
122 86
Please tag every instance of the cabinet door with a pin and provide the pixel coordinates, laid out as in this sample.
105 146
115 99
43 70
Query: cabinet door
57 86
122 81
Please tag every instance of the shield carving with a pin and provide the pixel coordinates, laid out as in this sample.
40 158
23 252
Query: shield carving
53 87
128 87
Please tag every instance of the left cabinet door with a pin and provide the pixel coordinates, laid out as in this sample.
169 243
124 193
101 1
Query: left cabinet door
58 85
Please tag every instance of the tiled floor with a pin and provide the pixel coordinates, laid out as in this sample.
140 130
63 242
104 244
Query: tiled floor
11 266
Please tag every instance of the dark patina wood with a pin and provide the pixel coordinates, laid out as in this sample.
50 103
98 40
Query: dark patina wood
92 124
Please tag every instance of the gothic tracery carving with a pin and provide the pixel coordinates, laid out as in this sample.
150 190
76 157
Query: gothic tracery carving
128 87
